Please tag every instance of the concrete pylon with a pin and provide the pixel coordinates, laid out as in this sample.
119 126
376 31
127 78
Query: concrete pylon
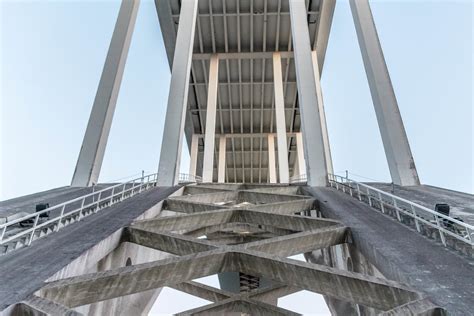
170 157
93 146
315 158
395 141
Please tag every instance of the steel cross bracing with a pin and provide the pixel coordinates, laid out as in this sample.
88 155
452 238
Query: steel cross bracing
236 228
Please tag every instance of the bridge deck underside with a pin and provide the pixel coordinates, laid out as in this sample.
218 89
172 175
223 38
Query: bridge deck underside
245 101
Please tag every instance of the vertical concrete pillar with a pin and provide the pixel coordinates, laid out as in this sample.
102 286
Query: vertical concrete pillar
316 167
322 113
170 156
271 159
95 139
300 162
210 133
222 163
194 154
280 119
395 141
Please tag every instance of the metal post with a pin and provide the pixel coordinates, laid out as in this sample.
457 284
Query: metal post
316 166
322 113
414 216
33 229
394 138
210 133
271 159
222 163
280 119
170 156
300 154
193 154
92 151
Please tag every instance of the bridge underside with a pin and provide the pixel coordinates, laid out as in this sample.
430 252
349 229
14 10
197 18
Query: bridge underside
246 232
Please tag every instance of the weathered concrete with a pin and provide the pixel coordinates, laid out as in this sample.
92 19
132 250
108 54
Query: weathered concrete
402 254
66 245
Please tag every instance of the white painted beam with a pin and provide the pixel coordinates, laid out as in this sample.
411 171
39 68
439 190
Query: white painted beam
210 133
300 161
271 159
95 139
222 163
280 119
170 156
395 141
322 113
194 154
316 168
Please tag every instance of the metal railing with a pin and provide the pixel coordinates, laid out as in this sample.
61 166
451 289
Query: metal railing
445 226
301 178
189 178
61 215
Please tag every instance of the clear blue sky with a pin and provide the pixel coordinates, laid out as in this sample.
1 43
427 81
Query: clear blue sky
52 53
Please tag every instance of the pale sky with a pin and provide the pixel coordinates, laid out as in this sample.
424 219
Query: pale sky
52 54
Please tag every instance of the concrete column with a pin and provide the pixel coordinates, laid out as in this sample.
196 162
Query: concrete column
271 159
170 156
222 163
316 167
194 154
210 134
280 119
301 164
95 139
322 113
395 141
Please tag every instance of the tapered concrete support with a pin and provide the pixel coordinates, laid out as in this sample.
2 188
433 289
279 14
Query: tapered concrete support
316 167
280 119
194 154
395 141
271 159
222 163
170 156
301 164
322 113
93 147
209 137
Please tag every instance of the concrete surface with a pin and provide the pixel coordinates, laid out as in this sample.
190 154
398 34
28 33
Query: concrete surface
25 270
402 254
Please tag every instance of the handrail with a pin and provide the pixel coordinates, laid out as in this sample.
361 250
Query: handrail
340 182
189 178
89 202
301 178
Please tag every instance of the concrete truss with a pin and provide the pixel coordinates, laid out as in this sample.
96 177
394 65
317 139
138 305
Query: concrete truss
250 230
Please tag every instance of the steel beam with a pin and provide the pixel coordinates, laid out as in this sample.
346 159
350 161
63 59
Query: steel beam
271 159
395 141
170 155
95 139
194 154
316 166
222 162
280 119
300 162
208 161
322 113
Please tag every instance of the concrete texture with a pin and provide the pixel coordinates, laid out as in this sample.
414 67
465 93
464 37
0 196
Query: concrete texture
402 254
36 261
262 259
